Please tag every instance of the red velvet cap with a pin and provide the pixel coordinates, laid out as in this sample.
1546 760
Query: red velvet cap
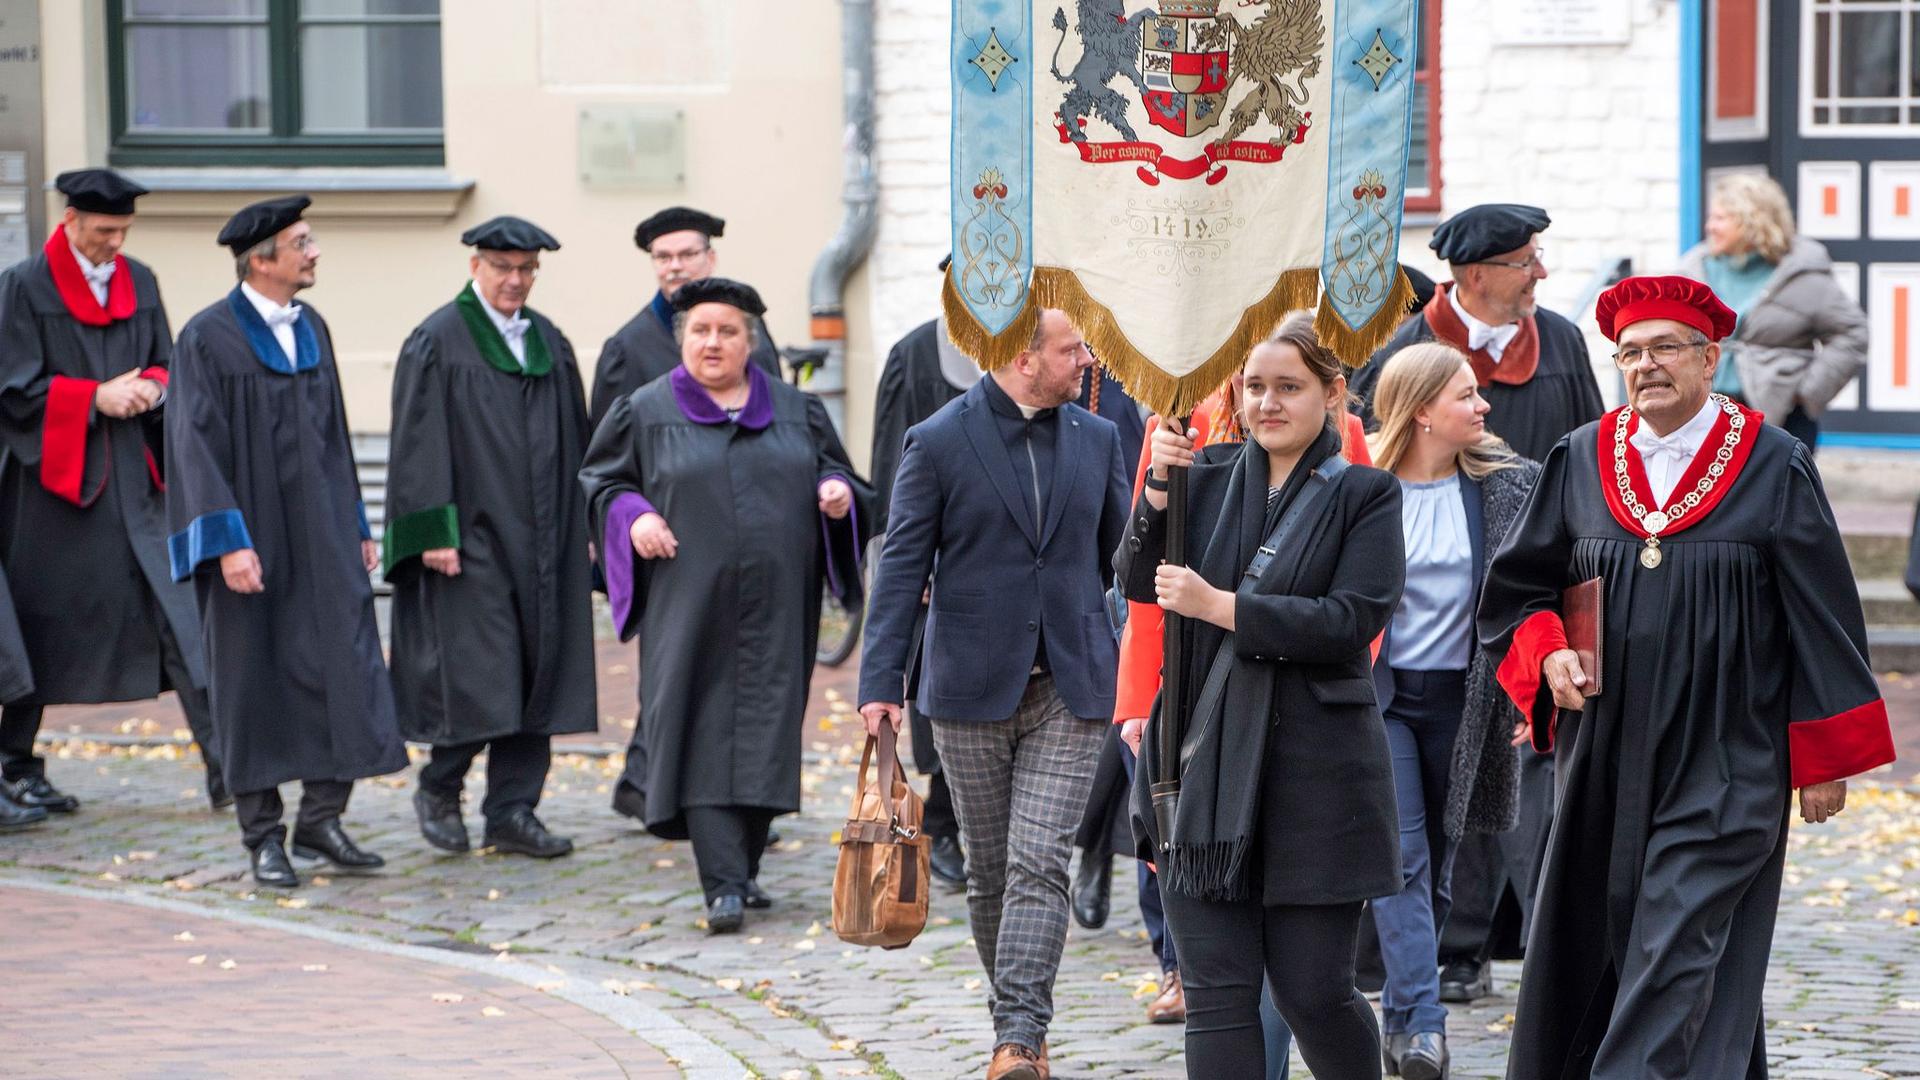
1685 300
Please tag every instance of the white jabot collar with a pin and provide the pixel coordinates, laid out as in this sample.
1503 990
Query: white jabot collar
1494 339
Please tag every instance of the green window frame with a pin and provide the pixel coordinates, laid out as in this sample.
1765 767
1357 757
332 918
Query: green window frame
284 143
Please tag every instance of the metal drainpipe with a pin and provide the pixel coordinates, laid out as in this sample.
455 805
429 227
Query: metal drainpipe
860 191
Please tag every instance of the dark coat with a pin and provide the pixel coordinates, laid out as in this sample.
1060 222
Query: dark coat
729 624
956 501
1326 827
16 676
90 583
1483 781
259 457
507 646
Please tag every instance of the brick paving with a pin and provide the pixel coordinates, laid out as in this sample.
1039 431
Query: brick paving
785 999
112 989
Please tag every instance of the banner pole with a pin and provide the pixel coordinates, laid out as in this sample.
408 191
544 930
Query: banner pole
1169 728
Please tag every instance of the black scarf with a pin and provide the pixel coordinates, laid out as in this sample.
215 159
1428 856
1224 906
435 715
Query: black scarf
1213 829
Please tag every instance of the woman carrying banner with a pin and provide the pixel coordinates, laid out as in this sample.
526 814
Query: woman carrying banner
1286 821
1460 490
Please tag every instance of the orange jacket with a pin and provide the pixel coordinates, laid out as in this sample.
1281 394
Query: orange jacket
1140 642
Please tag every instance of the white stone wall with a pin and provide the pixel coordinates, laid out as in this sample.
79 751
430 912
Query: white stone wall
1591 133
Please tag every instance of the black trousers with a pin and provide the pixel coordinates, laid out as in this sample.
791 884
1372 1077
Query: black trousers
20 721
727 844
320 802
1306 956
516 772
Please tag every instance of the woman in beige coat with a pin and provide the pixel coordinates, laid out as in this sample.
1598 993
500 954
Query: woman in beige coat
1800 338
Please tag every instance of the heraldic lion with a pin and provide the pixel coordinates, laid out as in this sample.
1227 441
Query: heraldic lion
1110 47
1284 39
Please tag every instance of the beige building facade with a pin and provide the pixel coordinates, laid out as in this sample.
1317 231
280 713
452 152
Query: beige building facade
584 116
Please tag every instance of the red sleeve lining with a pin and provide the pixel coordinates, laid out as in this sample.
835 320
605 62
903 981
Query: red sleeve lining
63 436
156 373
1519 673
1845 744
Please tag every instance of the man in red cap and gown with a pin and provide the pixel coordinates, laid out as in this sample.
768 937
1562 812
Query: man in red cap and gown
1733 669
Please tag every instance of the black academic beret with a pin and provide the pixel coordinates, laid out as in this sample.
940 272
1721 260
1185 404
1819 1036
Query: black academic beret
676 219
98 191
507 233
946 261
1481 232
1422 288
719 290
261 221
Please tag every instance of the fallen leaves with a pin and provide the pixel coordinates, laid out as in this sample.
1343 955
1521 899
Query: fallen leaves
493 1010
184 935
197 960
448 998
313 967
228 964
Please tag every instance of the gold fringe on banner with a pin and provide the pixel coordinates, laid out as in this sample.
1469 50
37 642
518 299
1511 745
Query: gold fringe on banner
1166 394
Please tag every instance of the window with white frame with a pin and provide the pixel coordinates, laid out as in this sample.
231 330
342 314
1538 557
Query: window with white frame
1860 64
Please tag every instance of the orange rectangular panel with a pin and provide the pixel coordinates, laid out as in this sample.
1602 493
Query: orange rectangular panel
1830 201
1900 298
1736 52
1902 201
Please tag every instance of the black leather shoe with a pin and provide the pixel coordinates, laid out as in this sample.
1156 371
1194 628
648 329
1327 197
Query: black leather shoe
14 817
1425 1057
271 868
332 843
1392 1045
218 797
948 862
629 802
520 833
1464 981
440 821
757 897
726 914
36 791
1093 889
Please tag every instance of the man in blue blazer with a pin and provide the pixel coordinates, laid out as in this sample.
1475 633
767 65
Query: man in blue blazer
1011 500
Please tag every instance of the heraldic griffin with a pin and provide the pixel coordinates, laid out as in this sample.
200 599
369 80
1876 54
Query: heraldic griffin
1286 38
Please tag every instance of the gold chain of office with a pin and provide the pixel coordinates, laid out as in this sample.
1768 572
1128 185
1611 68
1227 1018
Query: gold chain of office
1656 521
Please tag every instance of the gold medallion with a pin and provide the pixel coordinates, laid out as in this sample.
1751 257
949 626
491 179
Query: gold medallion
1655 521
1650 555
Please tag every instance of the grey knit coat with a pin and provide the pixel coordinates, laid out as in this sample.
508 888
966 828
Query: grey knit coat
1800 340
1483 783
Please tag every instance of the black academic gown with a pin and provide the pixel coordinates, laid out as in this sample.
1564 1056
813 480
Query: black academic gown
1532 416
487 460
258 456
731 621
1732 672
16 674
644 349
90 582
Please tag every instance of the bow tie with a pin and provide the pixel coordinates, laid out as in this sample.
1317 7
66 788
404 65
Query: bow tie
285 316
100 275
1674 447
1481 336
515 329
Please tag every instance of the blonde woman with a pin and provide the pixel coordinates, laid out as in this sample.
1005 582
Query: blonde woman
1447 725
1799 339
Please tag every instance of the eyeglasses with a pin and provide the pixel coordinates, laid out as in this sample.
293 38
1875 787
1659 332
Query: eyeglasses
302 243
506 269
1662 354
1538 258
668 258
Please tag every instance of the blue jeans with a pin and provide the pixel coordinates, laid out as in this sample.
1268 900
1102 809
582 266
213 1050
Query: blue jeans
1273 1028
1421 722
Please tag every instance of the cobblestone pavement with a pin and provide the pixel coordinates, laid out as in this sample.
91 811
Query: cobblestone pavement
618 924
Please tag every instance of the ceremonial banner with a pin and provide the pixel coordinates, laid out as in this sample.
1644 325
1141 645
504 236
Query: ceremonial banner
1178 177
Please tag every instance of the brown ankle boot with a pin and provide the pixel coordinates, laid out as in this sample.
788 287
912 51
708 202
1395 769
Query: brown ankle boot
1011 1061
1170 1007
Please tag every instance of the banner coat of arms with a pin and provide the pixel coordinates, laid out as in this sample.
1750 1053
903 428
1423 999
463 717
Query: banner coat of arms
1178 175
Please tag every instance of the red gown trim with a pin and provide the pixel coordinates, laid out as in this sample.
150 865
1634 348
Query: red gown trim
1519 673
77 295
1696 469
157 374
1518 362
1839 746
63 438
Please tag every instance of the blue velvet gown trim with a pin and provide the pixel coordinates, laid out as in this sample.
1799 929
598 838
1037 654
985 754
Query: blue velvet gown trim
266 347
209 536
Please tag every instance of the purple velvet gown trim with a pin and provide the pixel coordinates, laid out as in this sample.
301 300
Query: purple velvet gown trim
617 552
697 406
